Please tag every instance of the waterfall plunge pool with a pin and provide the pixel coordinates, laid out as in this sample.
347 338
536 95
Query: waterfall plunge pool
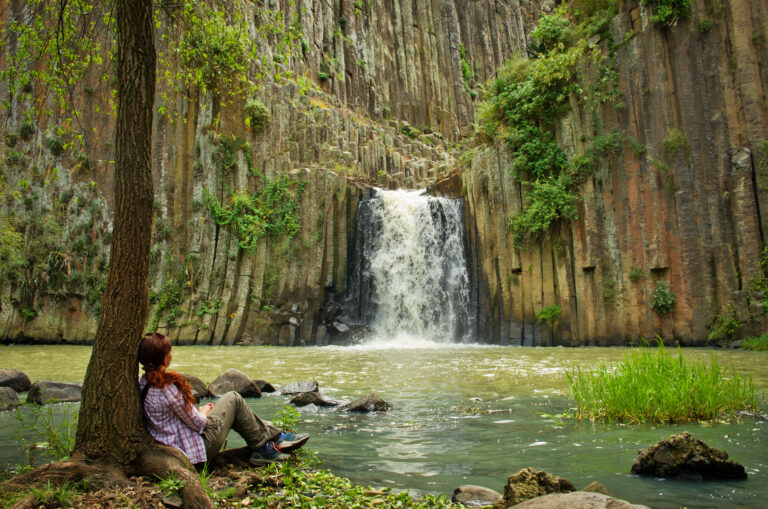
426 444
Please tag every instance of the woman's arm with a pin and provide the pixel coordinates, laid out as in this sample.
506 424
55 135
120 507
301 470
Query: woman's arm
191 418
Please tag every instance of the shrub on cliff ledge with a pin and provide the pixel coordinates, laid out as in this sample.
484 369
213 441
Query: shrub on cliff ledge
650 385
257 115
663 298
669 12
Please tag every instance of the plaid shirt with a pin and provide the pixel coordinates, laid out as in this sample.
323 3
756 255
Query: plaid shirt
170 423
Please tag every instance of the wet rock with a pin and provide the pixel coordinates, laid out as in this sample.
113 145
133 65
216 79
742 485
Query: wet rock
314 398
530 483
8 398
596 487
199 389
15 379
234 380
682 456
264 386
298 388
172 501
44 393
369 403
475 496
577 500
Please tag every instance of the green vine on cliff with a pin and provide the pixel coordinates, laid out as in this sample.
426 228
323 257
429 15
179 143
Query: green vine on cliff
271 210
525 103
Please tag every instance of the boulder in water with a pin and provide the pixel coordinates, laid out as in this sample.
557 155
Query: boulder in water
369 403
531 483
234 380
576 500
8 398
475 496
314 398
682 456
44 392
198 386
264 386
15 379
595 487
298 388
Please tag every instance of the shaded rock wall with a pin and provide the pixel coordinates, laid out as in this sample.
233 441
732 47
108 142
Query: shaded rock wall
388 65
697 221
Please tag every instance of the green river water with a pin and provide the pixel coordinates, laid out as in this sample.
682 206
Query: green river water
426 445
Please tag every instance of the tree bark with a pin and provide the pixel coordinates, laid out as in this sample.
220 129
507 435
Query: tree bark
110 425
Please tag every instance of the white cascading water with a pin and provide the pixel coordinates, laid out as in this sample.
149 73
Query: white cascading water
414 270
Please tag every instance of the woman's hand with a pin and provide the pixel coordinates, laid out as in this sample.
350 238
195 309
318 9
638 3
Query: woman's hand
206 409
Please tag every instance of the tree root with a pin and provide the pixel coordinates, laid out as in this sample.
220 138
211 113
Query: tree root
156 460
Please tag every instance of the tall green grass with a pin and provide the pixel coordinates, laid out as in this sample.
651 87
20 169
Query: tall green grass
759 343
650 385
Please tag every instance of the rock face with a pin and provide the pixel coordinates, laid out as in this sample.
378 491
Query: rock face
578 500
44 393
15 379
696 222
369 403
683 456
530 483
475 496
370 94
234 380
8 398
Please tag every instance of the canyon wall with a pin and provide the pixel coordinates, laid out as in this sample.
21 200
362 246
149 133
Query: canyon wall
683 200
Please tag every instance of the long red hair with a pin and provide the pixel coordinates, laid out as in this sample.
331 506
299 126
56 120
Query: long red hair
153 349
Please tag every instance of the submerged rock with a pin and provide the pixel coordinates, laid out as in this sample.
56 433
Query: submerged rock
234 380
44 393
682 456
530 483
475 496
8 398
577 500
15 379
369 403
314 398
264 386
298 388
595 487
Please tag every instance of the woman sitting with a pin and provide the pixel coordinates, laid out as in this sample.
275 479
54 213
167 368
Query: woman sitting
199 433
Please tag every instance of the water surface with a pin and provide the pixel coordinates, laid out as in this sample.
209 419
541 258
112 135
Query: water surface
426 444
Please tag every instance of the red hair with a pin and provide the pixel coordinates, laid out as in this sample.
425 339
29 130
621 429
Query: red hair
153 349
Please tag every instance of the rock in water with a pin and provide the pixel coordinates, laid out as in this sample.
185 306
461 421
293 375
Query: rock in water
314 398
530 483
298 388
44 393
8 398
15 379
198 386
264 386
683 456
234 380
369 403
475 496
577 500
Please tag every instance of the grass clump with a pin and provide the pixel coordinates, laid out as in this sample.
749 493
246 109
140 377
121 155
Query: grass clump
759 343
650 385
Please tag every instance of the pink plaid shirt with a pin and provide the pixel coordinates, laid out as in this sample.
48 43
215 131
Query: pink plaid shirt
170 423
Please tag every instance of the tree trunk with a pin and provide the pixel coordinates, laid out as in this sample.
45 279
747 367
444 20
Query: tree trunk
112 440
110 425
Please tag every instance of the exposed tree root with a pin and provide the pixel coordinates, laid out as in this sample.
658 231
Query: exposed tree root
156 460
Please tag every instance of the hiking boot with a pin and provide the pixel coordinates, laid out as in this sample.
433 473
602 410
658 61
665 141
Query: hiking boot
266 454
291 441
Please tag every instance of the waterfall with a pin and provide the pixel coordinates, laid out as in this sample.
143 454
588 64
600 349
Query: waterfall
409 276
